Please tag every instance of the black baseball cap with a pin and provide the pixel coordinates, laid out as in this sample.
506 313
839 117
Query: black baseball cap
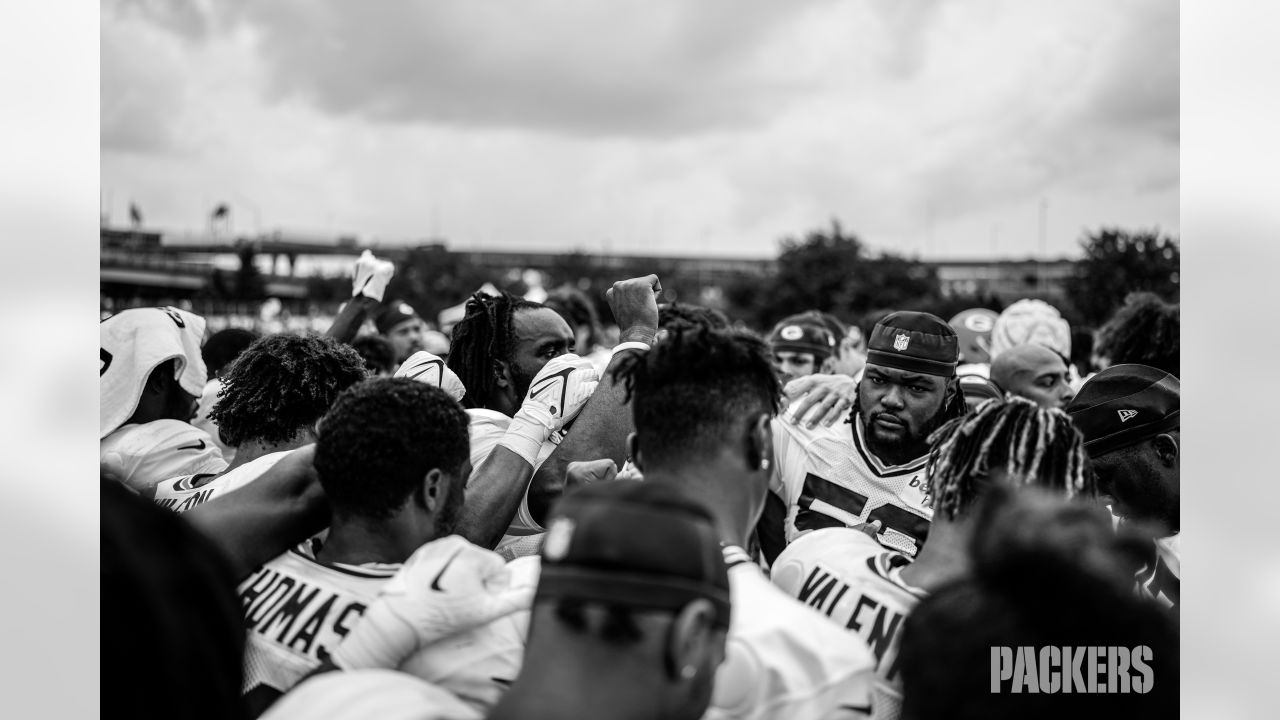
1124 405
636 544
393 316
803 333
915 342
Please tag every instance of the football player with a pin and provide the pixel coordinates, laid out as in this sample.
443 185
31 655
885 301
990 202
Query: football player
871 468
392 457
851 578
272 397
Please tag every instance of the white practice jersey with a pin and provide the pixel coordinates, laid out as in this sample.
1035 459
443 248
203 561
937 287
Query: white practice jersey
784 660
487 429
852 579
297 610
187 491
828 478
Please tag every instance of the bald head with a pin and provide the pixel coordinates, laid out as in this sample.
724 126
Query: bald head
1034 372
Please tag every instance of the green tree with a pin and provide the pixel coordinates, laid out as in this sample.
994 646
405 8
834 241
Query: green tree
1117 262
833 271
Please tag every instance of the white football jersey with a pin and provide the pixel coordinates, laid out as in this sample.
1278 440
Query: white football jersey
297 610
828 478
142 455
784 660
187 491
852 579
487 429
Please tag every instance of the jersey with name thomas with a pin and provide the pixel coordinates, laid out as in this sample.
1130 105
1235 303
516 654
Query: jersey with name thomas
827 477
297 610
850 578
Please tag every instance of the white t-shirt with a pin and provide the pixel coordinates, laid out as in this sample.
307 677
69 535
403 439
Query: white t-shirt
182 493
852 579
828 478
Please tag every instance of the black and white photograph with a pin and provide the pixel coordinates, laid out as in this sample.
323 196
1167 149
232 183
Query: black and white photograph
729 359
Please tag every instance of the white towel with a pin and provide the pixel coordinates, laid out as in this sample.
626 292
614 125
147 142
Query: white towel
134 342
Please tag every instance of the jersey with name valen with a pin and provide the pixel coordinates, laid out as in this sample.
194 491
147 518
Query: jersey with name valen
850 578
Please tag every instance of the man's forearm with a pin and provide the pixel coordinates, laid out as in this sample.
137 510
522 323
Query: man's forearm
493 497
352 316
600 431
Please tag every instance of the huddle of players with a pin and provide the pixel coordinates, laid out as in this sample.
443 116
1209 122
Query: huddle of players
362 515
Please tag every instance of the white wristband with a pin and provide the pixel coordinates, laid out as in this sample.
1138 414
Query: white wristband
526 434
633 345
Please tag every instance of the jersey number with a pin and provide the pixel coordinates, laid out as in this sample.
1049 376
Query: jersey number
891 517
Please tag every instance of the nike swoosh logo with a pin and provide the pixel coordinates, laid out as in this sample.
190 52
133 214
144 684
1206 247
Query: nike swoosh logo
549 381
199 445
857 708
435 584
503 681
427 366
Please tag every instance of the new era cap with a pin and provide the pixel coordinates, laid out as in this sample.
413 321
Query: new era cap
915 342
641 545
1124 405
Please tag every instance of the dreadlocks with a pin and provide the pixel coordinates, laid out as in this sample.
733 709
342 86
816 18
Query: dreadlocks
693 387
483 335
281 384
1032 445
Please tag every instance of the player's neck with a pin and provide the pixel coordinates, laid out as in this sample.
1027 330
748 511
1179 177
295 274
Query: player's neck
358 541
720 490
250 450
943 558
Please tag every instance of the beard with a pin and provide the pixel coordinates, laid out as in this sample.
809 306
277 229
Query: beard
521 381
896 449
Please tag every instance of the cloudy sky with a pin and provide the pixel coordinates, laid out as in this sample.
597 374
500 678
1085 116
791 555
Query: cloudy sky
947 129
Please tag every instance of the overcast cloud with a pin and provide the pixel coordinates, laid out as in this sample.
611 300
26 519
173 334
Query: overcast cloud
678 127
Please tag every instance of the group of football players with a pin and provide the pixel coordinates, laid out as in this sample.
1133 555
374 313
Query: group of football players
700 521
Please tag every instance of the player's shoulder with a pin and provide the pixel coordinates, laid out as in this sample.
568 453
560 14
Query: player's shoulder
789 644
834 541
787 428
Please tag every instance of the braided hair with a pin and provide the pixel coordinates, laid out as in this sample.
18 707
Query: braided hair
484 334
281 384
1032 445
693 387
